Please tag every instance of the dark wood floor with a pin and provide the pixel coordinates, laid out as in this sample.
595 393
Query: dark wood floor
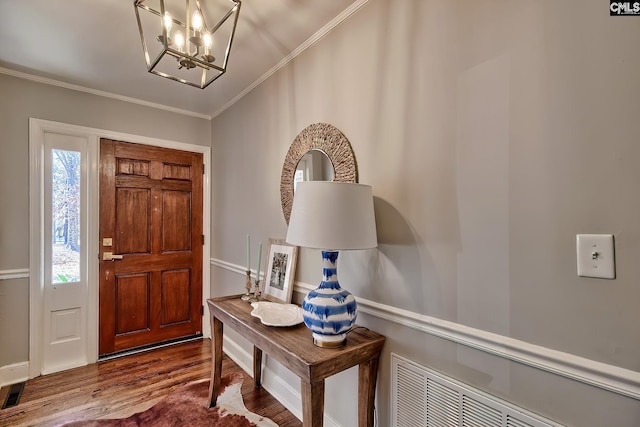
120 387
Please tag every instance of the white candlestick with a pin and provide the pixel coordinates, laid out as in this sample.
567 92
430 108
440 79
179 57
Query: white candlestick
259 256
248 253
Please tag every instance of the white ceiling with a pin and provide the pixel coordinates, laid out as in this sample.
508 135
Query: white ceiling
95 44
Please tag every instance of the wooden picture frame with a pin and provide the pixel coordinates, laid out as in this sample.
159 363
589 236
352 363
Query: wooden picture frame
279 271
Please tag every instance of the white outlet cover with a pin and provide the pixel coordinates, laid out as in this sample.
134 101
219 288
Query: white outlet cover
596 256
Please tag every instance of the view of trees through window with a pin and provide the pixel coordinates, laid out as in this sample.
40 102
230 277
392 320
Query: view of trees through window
65 213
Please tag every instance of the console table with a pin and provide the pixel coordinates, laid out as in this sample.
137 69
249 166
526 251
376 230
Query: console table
293 347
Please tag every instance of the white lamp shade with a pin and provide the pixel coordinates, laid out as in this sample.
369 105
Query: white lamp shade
332 216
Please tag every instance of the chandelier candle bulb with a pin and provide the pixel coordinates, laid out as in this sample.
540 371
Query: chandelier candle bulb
179 40
166 38
167 22
207 48
197 23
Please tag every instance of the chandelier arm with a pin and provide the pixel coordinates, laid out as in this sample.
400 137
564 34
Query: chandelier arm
147 8
144 44
233 32
222 21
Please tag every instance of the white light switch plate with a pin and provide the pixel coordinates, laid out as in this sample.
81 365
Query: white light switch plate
596 255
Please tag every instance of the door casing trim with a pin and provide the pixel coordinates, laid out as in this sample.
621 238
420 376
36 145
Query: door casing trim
37 129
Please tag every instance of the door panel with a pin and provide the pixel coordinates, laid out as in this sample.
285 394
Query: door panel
176 224
176 294
132 303
133 222
151 209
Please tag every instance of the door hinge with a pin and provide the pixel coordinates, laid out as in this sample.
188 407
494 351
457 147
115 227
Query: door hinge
202 311
203 239
203 169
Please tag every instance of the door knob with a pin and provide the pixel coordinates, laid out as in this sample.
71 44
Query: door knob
109 256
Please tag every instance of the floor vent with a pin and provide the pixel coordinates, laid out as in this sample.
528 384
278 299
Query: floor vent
421 397
13 397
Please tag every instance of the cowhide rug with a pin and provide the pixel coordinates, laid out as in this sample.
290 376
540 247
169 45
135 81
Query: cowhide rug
187 406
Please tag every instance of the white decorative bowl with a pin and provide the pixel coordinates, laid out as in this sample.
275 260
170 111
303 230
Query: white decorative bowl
275 314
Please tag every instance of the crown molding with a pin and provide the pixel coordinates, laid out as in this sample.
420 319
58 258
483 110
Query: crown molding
339 19
58 83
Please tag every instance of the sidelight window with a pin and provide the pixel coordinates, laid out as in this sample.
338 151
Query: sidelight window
65 216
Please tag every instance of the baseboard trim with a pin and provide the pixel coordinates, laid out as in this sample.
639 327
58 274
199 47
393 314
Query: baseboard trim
271 382
19 273
14 373
604 376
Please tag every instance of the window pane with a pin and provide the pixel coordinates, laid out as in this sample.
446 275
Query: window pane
65 212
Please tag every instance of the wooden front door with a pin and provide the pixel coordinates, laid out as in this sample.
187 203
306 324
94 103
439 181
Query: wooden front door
151 217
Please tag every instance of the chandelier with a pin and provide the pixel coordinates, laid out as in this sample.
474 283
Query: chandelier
184 40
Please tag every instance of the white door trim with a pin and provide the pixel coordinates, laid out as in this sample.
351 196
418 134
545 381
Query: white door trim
37 129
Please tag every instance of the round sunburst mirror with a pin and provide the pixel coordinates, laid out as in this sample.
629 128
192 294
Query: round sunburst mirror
319 152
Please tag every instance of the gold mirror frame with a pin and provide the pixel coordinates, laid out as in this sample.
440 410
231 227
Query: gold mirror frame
329 140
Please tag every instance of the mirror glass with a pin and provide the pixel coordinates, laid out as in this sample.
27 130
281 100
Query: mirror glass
314 165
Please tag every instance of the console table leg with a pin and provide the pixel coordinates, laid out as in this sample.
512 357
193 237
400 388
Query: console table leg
257 367
216 362
312 404
367 374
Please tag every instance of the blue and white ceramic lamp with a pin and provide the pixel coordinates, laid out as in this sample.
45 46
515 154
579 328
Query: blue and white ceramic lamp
329 311
331 216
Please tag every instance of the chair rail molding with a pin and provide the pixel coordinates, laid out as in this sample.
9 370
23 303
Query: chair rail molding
18 273
608 377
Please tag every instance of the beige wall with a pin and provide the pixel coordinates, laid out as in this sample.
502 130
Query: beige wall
492 133
19 100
